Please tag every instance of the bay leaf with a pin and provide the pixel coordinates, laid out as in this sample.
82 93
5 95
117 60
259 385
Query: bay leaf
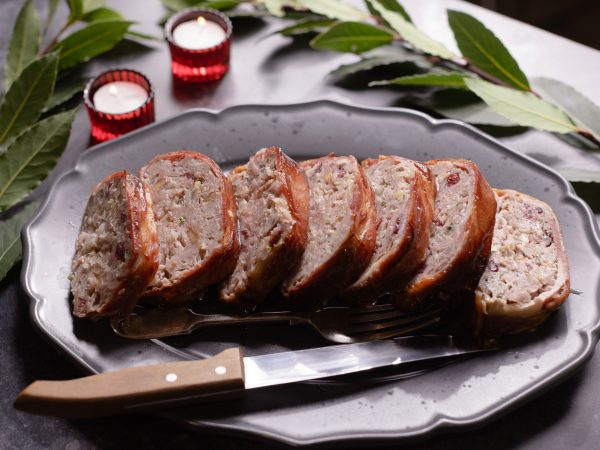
580 175
24 43
390 5
410 33
101 14
520 107
32 156
93 40
334 9
450 80
27 96
306 26
581 109
383 56
355 37
484 50
52 5
75 10
10 237
63 92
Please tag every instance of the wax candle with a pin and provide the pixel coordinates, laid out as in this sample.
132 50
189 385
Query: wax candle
198 34
199 41
119 97
118 101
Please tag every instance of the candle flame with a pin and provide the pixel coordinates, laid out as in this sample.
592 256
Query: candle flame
113 90
201 21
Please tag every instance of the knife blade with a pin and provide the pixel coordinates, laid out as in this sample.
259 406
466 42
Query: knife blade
152 387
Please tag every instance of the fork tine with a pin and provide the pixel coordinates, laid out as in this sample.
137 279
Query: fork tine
402 320
371 309
400 331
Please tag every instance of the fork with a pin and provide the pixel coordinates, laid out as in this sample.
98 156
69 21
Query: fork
337 324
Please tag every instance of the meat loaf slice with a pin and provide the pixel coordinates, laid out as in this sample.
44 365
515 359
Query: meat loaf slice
341 230
527 275
272 201
404 195
116 252
197 226
460 234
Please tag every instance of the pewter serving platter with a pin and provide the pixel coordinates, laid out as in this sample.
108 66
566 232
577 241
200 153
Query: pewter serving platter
361 409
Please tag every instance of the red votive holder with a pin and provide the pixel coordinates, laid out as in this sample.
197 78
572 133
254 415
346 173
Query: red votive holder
118 101
198 28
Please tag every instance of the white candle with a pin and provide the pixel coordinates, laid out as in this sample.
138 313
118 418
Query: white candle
198 34
119 97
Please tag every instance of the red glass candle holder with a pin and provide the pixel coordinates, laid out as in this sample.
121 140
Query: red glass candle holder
105 125
199 65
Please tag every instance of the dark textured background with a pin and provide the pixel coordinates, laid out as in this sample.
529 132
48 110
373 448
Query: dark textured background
277 70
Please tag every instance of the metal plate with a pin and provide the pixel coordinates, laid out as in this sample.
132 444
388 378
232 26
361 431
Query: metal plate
357 410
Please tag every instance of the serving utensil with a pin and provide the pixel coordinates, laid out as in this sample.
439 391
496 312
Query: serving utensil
166 385
341 325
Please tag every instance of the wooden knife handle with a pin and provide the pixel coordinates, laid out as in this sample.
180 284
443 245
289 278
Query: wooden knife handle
137 388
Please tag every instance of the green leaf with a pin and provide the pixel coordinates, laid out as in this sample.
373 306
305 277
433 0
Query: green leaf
93 40
31 157
90 5
352 37
306 26
583 111
10 237
390 5
485 51
148 37
76 10
23 46
381 57
27 96
580 175
451 80
63 92
522 108
222 5
52 5
176 5
334 9
411 34
101 14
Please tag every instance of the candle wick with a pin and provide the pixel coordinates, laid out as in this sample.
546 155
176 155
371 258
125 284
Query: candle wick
113 90
201 22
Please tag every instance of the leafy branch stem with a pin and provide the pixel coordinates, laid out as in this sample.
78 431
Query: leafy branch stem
55 39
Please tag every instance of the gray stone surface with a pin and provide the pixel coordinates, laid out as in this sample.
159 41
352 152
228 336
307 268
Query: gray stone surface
277 70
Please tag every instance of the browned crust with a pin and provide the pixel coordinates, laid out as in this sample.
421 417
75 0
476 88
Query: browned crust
464 271
297 195
502 318
348 262
143 261
222 260
410 251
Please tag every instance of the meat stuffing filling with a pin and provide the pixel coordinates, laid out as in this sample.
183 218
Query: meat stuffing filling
187 204
523 263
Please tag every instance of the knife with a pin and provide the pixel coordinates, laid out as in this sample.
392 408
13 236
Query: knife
153 387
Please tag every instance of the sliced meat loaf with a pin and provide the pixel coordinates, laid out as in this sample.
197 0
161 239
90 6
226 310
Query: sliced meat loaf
527 275
272 198
404 195
341 230
116 252
460 233
195 213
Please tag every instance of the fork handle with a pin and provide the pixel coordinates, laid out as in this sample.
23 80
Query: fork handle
157 322
137 388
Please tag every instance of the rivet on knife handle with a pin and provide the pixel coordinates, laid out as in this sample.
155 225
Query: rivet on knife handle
135 389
